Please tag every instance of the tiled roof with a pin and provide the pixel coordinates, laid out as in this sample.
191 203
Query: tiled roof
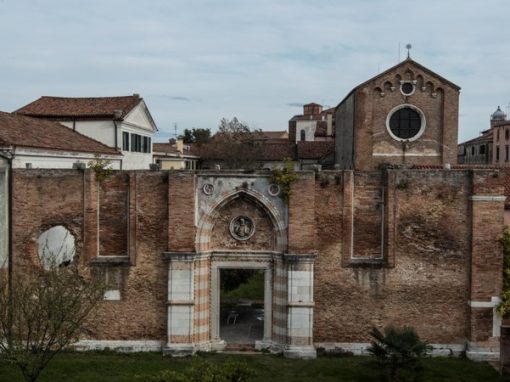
96 107
315 150
18 130
273 151
171 148
168 148
273 134
486 137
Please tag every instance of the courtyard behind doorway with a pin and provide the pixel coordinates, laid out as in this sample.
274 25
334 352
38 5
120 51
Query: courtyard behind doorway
241 306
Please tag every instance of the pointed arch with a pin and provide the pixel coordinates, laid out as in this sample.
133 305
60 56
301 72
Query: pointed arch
206 225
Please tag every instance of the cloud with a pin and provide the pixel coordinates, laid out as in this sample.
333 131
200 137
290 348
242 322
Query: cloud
174 98
247 58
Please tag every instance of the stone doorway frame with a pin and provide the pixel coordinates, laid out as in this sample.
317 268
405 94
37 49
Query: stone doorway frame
224 263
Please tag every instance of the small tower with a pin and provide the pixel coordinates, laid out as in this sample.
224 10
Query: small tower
497 117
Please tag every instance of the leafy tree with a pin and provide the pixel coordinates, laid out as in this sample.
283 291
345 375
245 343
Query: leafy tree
196 136
235 146
397 349
42 313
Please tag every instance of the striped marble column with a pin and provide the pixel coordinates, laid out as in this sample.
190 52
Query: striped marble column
180 304
300 306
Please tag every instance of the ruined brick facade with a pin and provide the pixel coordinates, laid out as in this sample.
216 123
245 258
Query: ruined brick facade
349 251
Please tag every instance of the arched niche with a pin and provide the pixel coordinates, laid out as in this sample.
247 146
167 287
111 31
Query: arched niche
217 229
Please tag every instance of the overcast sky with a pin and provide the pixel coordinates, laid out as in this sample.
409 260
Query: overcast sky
195 62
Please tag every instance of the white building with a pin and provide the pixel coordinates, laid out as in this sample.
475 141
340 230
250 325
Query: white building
123 123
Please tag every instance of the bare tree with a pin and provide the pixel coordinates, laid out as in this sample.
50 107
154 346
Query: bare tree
43 313
235 146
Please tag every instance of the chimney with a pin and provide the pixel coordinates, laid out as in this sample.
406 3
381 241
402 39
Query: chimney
180 145
329 125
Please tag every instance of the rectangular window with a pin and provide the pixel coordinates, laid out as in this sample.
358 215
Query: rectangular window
506 153
133 142
125 141
140 144
497 154
136 143
146 144
482 149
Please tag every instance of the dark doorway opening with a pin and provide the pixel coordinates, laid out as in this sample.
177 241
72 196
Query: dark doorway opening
241 306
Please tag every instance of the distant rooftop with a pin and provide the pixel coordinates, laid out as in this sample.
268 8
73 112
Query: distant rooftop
22 131
94 107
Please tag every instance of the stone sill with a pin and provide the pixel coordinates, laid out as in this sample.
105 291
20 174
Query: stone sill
110 260
368 263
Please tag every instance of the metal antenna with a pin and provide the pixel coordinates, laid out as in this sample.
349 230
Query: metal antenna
408 47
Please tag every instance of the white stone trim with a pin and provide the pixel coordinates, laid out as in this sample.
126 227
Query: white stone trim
485 304
487 198
360 348
250 263
482 352
413 83
112 295
129 346
422 118
300 352
406 154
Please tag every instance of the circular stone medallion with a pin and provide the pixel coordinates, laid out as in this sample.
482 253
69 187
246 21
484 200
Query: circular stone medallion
273 189
242 227
208 189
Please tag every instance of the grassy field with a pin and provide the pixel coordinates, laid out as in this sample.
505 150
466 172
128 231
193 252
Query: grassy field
113 367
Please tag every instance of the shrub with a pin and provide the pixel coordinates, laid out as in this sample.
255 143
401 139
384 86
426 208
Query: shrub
204 371
396 350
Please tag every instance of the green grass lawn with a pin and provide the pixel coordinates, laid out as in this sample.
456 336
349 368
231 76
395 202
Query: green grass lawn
114 367
252 289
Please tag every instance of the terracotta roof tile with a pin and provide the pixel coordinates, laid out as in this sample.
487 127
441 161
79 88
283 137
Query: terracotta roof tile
273 134
168 148
65 107
18 130
277 151
315 150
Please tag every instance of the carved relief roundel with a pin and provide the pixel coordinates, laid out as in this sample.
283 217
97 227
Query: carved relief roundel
208 189
273 189
242 227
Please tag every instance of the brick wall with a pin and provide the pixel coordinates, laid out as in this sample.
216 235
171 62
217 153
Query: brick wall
428 243
181 211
